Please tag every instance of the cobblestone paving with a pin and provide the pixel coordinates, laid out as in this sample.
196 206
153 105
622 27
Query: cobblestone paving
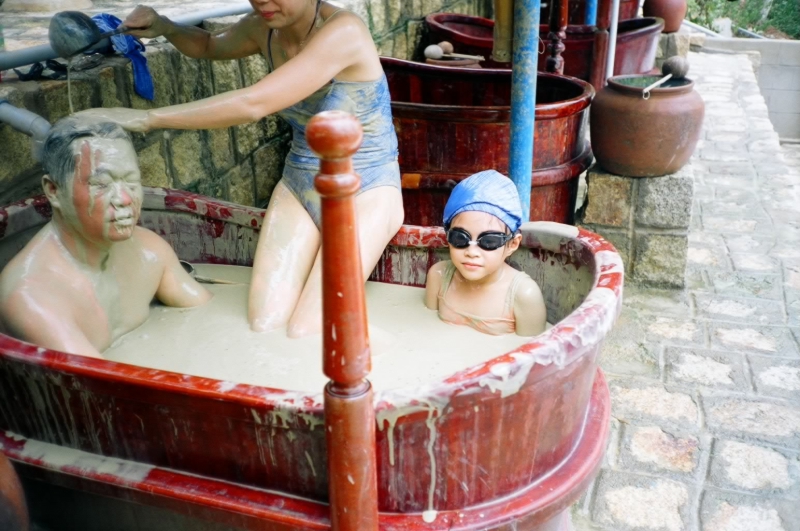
705 383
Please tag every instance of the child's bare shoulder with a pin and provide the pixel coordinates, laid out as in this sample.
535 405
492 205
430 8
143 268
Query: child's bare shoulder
528 291
439 267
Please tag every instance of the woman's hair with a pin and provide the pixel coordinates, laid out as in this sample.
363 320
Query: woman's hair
58 158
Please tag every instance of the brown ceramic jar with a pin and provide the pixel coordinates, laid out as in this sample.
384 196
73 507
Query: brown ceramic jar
672 11
639 137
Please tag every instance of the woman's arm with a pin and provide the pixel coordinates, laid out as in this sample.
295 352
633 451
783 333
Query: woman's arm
232 43
338 46
343 44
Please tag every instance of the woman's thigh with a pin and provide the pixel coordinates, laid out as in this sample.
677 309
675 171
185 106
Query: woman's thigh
287 247
379 215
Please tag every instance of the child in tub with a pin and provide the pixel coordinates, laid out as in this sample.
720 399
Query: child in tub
476 287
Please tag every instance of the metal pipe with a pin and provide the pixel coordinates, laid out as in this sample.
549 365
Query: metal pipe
590 15
523 98
612 39
35 54
26 122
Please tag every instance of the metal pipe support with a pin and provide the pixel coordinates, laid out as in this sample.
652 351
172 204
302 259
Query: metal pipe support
35 54
523 98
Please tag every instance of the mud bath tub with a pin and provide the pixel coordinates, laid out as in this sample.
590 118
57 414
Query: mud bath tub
637 42
513 441
454 122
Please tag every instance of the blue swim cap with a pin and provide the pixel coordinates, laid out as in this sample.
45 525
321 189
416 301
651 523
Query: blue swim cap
487 191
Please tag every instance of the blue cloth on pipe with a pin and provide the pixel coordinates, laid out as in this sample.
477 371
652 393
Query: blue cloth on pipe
487 191
132 48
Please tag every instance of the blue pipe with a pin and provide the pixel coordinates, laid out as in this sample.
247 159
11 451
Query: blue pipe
523 98
590 15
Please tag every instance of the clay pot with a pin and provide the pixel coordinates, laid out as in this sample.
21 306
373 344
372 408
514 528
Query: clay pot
672 11
635 137
12 500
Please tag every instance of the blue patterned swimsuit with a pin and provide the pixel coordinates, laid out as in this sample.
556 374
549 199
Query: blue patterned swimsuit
376 159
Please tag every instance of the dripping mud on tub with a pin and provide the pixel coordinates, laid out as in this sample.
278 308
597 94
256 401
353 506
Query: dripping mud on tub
410 345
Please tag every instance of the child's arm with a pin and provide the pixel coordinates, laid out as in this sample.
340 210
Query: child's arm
530 312
432 285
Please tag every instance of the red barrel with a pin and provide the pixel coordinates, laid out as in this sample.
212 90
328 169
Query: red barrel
454 122
637 42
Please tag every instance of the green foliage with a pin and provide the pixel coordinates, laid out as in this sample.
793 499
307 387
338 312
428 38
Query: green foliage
781 15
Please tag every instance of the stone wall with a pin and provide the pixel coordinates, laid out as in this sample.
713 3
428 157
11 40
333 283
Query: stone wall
647 220
240 164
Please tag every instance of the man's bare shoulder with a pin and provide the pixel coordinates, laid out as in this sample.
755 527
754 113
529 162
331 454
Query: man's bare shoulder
150 244
41 261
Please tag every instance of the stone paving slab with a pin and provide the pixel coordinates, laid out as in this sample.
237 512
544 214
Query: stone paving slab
705 382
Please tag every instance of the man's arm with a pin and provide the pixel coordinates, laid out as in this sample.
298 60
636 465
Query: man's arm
234 42
176 288
46 323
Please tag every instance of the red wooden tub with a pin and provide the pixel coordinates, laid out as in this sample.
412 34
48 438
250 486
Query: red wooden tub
637 42
508 444
453 122
628 9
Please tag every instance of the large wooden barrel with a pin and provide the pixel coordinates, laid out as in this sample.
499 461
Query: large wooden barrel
453 122
637 42
505 444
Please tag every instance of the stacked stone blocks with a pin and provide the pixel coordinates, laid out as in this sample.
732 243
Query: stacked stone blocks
240 164
647 220
672 44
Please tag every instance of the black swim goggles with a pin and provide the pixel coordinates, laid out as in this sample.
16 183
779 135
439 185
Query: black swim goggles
488 241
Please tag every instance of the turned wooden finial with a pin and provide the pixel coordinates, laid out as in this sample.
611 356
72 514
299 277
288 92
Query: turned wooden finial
349 414
335 136
559 14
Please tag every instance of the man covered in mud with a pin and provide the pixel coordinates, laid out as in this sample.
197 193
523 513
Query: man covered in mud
90 274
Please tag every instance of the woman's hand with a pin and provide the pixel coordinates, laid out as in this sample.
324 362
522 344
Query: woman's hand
145 22
130 119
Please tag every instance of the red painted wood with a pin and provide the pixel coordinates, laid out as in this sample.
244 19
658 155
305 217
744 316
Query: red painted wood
557 36
349 416
628 9
458 123
540 507
256 438
637 42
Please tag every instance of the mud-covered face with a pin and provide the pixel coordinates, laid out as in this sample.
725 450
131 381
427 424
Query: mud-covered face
103 200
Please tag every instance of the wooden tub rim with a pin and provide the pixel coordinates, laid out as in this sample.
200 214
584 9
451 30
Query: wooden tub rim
581 31
544 111
579 332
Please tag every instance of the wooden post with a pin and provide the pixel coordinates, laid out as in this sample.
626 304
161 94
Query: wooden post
503 31
600 53
559 15
349 415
